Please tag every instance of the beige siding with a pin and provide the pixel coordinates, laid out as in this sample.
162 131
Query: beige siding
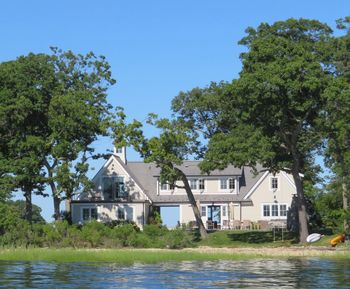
264 194
186 214
212 186
108 212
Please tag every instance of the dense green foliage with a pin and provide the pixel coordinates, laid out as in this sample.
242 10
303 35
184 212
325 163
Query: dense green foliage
15 232
53 106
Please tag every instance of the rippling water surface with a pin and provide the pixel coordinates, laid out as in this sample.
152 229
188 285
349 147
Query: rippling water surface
294 273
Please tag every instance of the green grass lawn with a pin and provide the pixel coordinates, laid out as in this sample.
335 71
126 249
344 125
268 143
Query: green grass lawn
124 256
248 239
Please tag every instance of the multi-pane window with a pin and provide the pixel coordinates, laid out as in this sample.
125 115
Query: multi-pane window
274 183
193 184
227 184
203 211
266 210
283 210
275 210
113 187
89 214
164 187
167 187
231 182
121 213
201 184
224 211
223 184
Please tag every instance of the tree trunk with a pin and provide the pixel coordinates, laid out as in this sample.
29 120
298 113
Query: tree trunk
345 204
196 212
56 207
301 205
28 208
56 200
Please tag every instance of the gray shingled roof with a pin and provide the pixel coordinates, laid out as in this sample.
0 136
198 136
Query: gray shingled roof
145 174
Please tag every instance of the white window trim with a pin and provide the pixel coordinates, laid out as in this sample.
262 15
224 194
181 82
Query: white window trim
197 184
89 207
168 187
279 211
228 190
125 212
278 183
206 211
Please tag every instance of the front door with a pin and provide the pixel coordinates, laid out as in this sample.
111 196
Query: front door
214 214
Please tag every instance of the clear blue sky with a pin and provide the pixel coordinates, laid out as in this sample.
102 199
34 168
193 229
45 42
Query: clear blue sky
156 48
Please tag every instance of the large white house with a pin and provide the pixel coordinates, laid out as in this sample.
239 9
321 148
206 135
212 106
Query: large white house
126 190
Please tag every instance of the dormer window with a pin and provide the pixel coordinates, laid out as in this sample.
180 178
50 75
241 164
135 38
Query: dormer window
231 183
227 184
201 184
193 184
167 187
197 184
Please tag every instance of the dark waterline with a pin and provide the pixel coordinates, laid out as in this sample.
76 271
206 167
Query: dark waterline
293 273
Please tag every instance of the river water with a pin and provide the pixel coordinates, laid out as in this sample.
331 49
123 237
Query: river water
291 273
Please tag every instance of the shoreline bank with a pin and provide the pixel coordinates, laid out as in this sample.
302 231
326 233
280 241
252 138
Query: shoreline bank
128 256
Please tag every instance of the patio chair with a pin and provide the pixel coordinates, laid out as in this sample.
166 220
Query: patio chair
210 225
246 225
225 225
263 225
236 225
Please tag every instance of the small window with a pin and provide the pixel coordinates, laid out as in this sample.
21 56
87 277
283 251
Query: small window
274 210
86 214
224 211
274 183
121 213
193 184
164 187
119 150
203 211
201 184
283 210
266 210
89 214
231 184
223 184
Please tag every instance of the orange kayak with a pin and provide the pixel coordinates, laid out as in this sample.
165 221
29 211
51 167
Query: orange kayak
340 238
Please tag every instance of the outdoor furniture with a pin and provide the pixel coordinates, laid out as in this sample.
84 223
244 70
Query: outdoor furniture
246 225
225 224
263 225
236 225
210 225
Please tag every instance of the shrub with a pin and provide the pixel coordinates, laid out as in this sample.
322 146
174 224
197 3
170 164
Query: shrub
154 231
178 239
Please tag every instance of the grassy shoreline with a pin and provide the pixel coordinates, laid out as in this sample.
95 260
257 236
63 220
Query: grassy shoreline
129 256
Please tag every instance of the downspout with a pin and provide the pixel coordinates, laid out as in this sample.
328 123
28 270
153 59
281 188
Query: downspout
240 211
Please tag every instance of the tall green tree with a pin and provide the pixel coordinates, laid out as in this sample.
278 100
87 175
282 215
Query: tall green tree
52 108
77 115
176 142
269 114
24 96
336 121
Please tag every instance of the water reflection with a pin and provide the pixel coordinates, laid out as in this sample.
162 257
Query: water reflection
293 273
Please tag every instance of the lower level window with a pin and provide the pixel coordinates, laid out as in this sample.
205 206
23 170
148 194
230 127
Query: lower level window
274 210
203 211
121 213
89 214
